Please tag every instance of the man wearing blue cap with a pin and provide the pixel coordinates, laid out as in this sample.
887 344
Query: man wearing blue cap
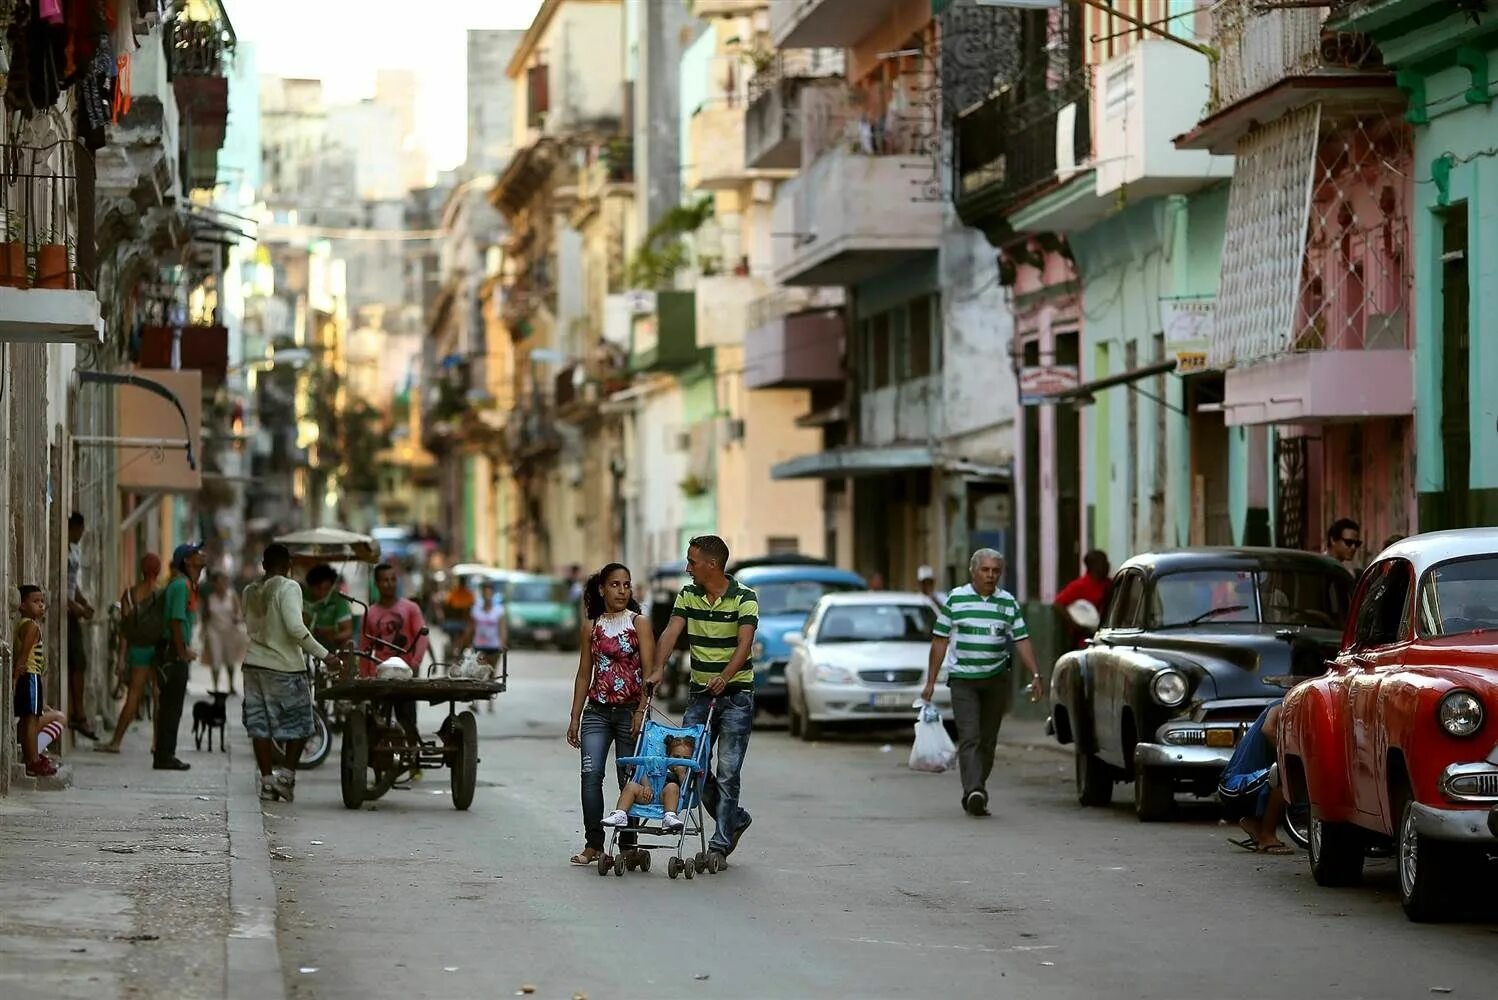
181 602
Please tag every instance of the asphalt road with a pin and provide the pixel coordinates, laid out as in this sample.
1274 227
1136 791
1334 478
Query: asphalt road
860 878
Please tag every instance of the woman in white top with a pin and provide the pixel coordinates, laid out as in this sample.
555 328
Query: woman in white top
488 634
224 638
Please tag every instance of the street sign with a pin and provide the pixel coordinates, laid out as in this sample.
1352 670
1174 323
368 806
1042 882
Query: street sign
1187 325
1037 383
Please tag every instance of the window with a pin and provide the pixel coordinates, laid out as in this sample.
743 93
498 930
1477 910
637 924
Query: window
1381 616
1264 595
1123 607
877 373
1460 596
877 623
796 597
919 332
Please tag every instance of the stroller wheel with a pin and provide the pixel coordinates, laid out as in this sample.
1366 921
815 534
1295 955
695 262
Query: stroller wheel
619 866
603 865
644 861
700 862
629 860
673 867
712 864
689 869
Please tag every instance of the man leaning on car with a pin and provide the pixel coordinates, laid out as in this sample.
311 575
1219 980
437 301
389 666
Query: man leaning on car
980 621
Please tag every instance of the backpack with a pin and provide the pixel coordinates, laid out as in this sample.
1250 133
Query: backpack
144 624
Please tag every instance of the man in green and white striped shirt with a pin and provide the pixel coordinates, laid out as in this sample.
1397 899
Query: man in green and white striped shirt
979 621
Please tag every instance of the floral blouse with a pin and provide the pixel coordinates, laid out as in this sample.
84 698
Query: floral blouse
618 675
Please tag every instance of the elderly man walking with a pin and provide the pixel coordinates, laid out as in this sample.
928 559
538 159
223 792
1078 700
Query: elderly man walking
979 621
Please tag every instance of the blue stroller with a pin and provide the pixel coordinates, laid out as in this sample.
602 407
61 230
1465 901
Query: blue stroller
650 765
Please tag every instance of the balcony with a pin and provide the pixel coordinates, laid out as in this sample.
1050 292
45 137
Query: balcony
715 138
798 351
663 334
772 124
806 24
1011 147
197 348
199 42
531 431
582 384
1277 60
825 232
1146 97
724 305
47 250
903 413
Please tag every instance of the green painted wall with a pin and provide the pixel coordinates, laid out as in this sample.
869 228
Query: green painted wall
1456 143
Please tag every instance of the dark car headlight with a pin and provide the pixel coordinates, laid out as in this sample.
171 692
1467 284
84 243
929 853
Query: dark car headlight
1169 688
1460 713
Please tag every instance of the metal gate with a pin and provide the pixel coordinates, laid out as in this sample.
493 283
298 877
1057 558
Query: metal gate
1290 467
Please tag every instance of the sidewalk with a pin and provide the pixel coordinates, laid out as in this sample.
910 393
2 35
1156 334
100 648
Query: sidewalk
139 883
1029 733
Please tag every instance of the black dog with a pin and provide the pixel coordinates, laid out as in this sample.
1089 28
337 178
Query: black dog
208 716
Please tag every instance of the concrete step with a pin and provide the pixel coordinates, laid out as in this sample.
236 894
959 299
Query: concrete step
21 781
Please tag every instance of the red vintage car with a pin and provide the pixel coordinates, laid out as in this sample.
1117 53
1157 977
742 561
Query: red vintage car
1393 747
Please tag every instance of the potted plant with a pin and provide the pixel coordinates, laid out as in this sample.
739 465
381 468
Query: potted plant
52 260
692 486
13 252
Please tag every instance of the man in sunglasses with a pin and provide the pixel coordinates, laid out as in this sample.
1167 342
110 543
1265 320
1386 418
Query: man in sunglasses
1343 540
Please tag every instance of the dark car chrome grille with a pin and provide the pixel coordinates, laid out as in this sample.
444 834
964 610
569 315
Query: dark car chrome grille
898 676
1245 714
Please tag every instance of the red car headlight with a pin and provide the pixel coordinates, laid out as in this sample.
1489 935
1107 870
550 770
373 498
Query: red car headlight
1460 713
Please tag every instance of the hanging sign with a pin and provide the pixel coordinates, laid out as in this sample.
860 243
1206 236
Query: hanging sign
1187 325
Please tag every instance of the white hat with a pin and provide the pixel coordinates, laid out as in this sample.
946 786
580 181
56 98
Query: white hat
925 573
1085 614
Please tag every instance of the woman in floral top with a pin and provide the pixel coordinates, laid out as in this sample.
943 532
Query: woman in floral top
608 699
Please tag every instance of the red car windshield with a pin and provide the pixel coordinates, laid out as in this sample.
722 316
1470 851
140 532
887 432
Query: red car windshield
1270 596
1460 596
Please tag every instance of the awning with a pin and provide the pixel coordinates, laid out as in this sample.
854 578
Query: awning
842 463
1086 390
855 461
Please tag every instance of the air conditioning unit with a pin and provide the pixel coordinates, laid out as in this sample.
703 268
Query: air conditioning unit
683 441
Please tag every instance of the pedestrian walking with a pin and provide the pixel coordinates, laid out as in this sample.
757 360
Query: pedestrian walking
1092 587
224 638
984 620
79 611
142 631
488 632
608 697
277 697
719 616
181 609
925 581
396 621
329 614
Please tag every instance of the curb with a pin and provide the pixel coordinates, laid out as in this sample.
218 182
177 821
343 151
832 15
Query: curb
254 954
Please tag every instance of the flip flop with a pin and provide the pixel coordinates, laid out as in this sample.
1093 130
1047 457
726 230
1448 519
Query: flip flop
1247 843
581 860
1278 850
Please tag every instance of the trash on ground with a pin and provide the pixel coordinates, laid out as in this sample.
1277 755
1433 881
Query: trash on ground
307 970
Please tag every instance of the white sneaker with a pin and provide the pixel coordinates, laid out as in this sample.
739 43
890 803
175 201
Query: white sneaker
616 818
671 823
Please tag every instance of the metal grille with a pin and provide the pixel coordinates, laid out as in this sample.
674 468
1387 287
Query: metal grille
891 676
1266 238
1258 47
1290 467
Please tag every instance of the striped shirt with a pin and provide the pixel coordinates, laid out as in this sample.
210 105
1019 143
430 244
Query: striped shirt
713 629
981 629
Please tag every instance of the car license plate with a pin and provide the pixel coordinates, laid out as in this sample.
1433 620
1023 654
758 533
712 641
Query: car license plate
1221 737
890 700
542 635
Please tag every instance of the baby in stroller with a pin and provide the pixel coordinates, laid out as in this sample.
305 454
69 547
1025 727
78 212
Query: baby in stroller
638 793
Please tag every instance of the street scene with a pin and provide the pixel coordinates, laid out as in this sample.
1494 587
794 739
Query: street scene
748 498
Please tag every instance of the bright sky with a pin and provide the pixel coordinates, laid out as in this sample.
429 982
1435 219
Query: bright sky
343 43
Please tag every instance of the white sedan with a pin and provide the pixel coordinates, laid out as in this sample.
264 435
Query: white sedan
862 659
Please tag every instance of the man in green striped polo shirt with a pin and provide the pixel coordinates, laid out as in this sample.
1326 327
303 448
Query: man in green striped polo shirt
720 616
979 621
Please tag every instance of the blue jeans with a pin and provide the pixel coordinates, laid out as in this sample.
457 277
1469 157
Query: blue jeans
601 726
733 719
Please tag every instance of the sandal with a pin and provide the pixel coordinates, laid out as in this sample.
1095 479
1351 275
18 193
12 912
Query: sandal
587 857
106 748
1277 849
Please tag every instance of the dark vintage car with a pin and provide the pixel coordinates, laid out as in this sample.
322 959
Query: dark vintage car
1192 646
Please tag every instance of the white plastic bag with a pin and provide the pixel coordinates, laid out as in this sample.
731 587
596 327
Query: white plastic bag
933 750
393 669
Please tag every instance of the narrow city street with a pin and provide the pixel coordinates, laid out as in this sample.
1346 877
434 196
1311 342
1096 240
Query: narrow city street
859 878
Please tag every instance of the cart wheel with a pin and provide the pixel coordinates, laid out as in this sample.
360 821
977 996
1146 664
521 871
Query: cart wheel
465 763
673 867
644 861
353 761
603 865
619 866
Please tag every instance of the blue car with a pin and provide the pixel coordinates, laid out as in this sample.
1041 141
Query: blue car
787 592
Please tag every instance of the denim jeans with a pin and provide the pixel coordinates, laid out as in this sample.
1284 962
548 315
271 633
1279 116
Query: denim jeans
733 720
172 690
603 725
